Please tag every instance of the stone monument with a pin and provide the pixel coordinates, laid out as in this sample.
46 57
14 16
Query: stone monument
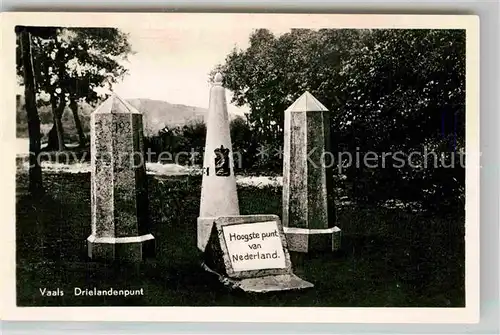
308 206
250 253
218 191
119 200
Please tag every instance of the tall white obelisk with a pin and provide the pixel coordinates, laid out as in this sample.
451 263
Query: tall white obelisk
218 190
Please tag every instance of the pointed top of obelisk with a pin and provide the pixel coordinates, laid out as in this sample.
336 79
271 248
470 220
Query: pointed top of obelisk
116 105
307 103
218 79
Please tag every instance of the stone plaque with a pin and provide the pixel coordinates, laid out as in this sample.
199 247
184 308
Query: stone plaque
250 252
254 246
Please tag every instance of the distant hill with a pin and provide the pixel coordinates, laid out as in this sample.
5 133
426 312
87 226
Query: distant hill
157 115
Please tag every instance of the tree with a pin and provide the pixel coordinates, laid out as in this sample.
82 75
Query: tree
35 171
273 72
387 91
70 64
90 70
243 141
401 89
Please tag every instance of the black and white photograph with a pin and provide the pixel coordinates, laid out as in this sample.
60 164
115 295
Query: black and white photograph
245 160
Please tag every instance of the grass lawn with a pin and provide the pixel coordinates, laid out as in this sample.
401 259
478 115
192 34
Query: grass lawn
390 257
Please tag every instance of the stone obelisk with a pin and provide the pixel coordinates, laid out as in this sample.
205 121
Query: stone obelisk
119 200
218 190
308 206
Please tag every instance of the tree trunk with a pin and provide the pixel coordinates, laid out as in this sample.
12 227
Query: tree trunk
56 141
60 134
35 170
52 143
78 124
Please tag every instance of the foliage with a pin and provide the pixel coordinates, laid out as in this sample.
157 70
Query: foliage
176 144
387 90
244 144
189 139
70 64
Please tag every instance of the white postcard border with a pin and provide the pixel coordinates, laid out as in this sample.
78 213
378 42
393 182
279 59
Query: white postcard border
468 314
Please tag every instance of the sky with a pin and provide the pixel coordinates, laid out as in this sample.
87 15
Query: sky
173 64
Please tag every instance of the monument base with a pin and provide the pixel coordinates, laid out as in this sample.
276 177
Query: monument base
272 283
306 240
204 229
132 249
